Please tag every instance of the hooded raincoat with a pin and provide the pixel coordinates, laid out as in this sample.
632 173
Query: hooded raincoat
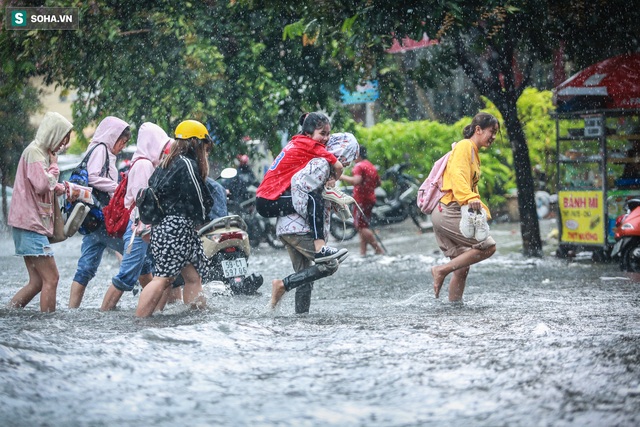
108 131
36 178
152 140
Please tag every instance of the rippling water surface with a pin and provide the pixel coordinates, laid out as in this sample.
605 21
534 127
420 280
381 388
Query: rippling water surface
536 343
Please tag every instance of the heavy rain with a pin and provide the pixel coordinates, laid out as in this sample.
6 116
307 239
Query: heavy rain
536 342
547 330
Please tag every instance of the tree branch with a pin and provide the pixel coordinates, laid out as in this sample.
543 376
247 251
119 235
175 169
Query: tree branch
132 32
470 69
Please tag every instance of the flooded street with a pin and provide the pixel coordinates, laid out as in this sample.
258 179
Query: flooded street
537 342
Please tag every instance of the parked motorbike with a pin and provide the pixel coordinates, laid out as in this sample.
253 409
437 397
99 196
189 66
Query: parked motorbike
242 202
226 244
390 208
627 236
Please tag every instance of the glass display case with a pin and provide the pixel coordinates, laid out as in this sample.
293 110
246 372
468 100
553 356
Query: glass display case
598 170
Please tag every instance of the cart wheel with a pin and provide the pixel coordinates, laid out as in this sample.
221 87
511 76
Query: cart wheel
564 252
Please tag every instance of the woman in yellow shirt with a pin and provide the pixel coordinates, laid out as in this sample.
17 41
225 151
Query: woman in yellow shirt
460 184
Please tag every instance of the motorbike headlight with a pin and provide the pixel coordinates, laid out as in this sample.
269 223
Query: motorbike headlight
627 227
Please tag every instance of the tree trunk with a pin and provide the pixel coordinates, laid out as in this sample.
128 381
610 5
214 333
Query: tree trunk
529 225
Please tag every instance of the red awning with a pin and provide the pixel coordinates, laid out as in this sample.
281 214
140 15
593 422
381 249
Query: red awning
408 44
611 84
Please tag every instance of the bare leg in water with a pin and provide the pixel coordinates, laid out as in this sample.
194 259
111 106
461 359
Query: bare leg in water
460 267
277 291
368 238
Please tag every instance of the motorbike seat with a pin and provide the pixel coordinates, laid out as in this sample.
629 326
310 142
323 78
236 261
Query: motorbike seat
224 222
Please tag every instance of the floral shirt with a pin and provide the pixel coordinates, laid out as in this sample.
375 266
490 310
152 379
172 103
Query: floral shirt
312 177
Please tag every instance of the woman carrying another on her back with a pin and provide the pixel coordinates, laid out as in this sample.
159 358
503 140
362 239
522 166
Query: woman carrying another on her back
186 202
460 184
136 262
273 197
295 231
31 213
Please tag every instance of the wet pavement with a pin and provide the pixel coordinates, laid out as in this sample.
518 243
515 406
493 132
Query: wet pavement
536 342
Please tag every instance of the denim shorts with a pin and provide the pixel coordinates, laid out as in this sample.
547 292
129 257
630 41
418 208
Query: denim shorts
30 243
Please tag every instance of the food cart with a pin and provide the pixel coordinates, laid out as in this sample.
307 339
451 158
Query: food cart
598 152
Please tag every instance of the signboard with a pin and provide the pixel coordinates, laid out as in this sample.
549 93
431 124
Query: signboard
593 126
363 94
581 216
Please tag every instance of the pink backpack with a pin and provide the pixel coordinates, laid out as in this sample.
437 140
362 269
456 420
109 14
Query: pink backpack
430 191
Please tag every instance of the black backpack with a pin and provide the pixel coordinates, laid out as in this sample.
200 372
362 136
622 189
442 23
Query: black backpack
149 208
149 205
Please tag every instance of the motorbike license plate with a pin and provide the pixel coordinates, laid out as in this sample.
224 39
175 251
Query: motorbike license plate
235 267
616 248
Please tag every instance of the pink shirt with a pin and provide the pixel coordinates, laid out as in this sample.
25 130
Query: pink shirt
33 189
32 201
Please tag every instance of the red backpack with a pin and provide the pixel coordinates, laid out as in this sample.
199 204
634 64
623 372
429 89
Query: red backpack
116 215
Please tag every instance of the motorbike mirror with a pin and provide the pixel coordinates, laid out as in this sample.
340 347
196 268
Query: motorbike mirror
228 173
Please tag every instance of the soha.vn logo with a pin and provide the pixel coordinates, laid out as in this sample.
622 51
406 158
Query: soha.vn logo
19 18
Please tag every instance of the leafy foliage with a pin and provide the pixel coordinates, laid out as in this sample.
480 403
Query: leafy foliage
223 63
18 101
495 42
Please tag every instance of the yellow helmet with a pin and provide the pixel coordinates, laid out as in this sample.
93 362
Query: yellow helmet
192 129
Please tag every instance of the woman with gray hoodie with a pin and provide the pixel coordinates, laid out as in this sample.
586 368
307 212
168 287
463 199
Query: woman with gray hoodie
113 134
31 213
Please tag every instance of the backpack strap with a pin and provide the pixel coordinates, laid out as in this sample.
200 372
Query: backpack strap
105 167
139 158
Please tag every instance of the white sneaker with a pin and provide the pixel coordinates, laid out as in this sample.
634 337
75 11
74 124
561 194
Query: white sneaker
76 218
467 222
336 196
344 213
482 227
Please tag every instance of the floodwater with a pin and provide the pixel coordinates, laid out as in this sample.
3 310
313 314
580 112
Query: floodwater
537 342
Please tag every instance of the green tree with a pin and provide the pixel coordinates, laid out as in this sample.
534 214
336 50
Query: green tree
18 101
223 63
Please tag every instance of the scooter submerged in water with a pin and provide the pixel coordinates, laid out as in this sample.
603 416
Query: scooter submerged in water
627 236
226 244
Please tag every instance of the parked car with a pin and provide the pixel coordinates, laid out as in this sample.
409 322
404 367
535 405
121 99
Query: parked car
66 164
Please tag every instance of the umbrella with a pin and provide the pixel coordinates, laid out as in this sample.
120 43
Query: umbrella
611 84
